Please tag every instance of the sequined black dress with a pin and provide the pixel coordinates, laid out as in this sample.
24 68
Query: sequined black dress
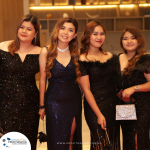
102 85
63 103
19 96
142 125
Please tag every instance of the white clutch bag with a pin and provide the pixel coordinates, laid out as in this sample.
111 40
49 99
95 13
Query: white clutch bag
126 112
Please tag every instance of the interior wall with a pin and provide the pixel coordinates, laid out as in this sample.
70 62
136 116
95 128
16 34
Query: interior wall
10 13
113 42
1 22
12 10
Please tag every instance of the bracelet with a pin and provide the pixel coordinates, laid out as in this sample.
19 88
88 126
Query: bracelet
41 107
136 88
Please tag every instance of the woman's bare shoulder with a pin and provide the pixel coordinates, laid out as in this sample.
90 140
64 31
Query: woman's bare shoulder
83 57
122 56
43 51
109 54
38 49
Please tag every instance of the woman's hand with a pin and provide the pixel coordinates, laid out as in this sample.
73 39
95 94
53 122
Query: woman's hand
42 113
128 92
101 121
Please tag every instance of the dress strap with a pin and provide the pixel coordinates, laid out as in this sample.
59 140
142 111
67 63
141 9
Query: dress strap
46 47
120 54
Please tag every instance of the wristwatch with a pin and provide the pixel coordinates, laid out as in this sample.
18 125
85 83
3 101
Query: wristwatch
136 88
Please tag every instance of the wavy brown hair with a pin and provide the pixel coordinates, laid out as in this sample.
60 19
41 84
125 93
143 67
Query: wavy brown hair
140 48
73 46
15 44
85 38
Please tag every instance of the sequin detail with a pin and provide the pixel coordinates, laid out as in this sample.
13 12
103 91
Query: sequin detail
63 103
102 85
19 96
141 127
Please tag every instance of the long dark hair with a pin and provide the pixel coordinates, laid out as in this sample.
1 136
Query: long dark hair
85 38
15 44
139 50
73 46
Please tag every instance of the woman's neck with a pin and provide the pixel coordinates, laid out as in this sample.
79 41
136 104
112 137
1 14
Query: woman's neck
62 45
94 51
130 54
25 47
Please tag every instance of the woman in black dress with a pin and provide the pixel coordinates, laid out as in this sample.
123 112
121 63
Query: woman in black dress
62 104
19 96
97 82
134 78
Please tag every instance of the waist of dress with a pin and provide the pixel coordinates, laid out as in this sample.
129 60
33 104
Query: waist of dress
103 87
62 80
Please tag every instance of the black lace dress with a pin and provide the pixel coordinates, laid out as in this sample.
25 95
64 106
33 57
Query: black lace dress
63 103
102 85
19 96
142 125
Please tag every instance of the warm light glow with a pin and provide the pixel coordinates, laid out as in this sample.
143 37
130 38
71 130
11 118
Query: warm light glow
71 7
60 4
92 6
50 7
144 5
85 6
126 6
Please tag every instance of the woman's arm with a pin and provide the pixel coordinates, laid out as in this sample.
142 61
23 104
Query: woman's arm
85 85
145 87
42 62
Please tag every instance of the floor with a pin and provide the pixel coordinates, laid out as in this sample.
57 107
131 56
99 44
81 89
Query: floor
85 135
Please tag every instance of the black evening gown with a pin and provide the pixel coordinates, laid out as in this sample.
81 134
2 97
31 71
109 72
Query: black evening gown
19 96
63 103
102 85
142 125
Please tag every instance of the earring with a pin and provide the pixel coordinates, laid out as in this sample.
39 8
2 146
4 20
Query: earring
35 40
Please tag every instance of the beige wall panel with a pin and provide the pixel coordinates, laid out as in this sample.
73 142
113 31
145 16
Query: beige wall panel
4 9
46 2
5 29
20 8
12 11
31 2
1 22
0 9
43 38
11 29
49 2
42 2
56 14
1 30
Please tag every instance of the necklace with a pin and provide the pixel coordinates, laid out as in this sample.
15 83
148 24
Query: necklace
62 50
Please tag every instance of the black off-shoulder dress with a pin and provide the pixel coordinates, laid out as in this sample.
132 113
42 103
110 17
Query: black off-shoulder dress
142 125
19 96
102 85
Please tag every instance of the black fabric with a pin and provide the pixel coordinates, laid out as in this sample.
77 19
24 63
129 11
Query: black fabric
102 85
19 96
142 125
63 103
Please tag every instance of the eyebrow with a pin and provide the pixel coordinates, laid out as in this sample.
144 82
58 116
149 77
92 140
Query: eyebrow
97 32
27 27
69 28
30 27
127 37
